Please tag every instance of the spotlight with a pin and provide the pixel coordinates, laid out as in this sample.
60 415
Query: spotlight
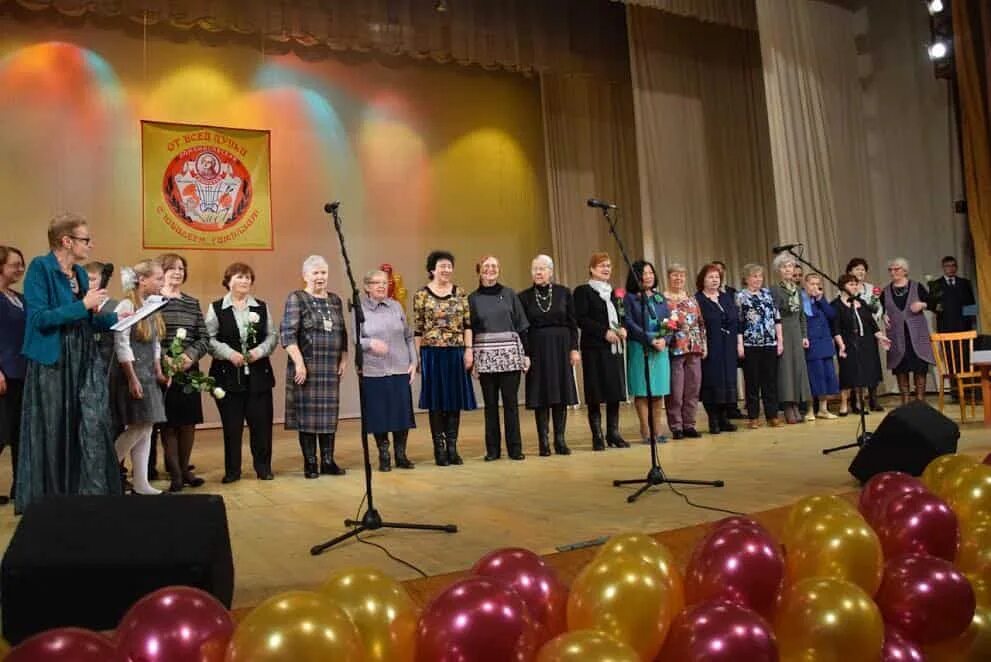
934 6
440 6
938 50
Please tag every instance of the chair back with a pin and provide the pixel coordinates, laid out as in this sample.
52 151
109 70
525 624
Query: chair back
953 352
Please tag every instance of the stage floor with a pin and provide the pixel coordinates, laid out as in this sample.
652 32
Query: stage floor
539 503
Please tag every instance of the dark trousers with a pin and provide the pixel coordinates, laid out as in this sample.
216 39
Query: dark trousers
760 374
255 409
10 417
508 385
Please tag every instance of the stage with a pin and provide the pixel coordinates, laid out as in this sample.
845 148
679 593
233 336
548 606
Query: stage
539 503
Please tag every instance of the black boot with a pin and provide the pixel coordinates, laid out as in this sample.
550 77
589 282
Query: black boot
613 437
327 465
385 462
399 447
542 416
308 445
595 423
560 415
724 423
438 422
451 437
872 399
712 411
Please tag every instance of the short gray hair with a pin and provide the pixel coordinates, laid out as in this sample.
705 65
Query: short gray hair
898 262
369 275
750 270
543 261
781 259
312 262
676 267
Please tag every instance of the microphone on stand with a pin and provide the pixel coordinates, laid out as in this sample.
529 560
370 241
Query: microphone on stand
105 273
331 207
599 204
784 247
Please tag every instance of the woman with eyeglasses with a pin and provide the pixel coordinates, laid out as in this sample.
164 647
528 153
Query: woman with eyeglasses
911 353
66 436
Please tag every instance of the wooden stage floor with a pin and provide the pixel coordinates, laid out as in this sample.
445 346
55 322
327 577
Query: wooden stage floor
539 503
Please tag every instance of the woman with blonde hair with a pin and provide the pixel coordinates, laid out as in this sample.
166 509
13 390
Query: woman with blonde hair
759 344
136 388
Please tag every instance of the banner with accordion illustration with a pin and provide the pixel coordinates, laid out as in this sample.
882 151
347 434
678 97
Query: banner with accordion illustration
205 187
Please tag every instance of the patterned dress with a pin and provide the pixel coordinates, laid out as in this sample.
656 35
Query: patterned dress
316 326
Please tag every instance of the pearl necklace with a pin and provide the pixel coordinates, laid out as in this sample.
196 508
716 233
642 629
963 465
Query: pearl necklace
547 299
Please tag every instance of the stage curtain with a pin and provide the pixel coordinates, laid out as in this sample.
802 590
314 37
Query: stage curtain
591 152
703 149
566 36
972 31
736 13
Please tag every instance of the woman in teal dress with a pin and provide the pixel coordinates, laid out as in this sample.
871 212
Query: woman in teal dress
655 336
66 436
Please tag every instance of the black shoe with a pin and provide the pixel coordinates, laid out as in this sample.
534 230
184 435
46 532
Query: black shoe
265 475
332 469
561 448
518 454
399 449
491 458
543 417
440 451
617 441
311 470
714 427
677 434
230 478
726 426
876 407
175 487
385 460
328 466
691 433
192 481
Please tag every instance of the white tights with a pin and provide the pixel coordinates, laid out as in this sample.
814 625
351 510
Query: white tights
136 440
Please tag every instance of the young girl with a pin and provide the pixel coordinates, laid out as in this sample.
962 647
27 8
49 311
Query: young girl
138 399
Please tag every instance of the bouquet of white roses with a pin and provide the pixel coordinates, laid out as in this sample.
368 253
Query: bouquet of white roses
191 381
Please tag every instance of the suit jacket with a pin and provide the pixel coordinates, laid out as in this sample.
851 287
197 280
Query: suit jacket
948 302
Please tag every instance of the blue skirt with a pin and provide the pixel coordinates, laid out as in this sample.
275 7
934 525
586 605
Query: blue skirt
388 404
445 385
822 377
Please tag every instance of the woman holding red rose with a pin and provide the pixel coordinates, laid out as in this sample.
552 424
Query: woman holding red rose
870 295
602 335
648 338
687 352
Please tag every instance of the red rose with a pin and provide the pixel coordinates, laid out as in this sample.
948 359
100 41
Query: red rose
620 293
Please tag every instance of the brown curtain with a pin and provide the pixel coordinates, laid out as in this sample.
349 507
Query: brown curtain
735 13
972 31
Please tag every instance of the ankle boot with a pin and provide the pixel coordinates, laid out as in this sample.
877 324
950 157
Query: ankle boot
613 437
560 416
451 437
724 419
710 411
438 422
920 386
903 388
308 446
327 465
385 461
399 447
872 399
595 423
542 417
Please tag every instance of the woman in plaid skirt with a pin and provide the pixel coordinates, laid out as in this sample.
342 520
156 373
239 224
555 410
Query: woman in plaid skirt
316 340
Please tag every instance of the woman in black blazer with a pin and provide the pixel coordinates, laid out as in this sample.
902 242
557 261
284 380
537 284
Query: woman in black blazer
602 336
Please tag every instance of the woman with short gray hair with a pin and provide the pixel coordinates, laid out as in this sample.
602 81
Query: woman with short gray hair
904 305
316 340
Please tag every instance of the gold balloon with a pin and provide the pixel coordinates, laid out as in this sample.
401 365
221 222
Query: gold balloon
380 608
974 645
982 589
974 554
840 546
654 553
970 494
298 626
822 619
4 648
812 508
586 646
941 472
626 598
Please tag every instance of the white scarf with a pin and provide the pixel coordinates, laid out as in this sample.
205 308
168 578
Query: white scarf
604 290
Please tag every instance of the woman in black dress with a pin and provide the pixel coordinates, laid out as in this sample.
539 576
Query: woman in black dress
552 340
12 364
602 352
722 324
856 334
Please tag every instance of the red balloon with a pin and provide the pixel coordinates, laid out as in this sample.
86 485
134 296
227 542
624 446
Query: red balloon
63 645
545 595
739 564
925 598
478 619
899 649
718 631
919 523
175 624
883 487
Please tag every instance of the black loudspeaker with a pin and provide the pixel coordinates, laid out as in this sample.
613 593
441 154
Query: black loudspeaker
908 439
84 560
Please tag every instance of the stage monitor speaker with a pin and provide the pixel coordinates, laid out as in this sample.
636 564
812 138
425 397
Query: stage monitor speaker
84 560
908 439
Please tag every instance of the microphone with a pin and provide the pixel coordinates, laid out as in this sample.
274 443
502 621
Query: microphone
105 274
784 247
599 204
331 207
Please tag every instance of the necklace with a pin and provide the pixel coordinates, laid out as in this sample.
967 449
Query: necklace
544 300
899 290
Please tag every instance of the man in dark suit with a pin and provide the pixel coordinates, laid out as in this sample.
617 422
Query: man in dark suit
948 296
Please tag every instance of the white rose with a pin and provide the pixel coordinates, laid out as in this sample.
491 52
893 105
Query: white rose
180 333
253 317
219 393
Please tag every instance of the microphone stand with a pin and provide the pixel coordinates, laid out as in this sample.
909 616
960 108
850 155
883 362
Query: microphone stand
655 475
371 520
862 435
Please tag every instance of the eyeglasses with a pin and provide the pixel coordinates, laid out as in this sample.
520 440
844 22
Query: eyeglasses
85 240
895 268
377 282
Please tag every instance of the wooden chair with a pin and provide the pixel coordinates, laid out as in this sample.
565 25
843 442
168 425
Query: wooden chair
953 352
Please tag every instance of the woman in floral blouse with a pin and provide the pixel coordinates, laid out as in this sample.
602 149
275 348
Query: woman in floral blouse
871 296
759 344
442 331
687 351
793 373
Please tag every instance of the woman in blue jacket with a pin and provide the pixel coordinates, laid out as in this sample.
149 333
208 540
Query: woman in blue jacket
820 352
651 334
66 436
